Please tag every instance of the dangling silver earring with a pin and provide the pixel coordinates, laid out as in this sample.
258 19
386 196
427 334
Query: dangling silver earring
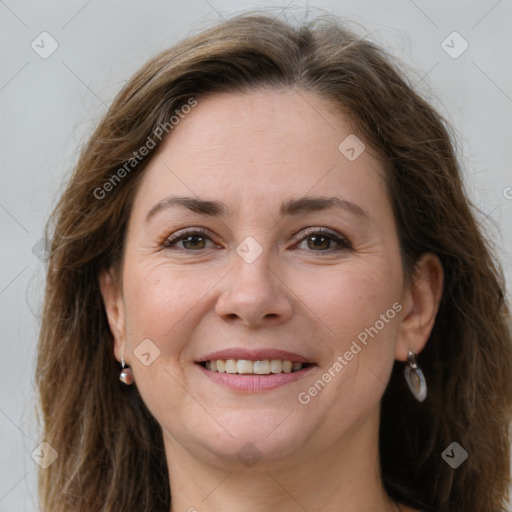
126 376
415 378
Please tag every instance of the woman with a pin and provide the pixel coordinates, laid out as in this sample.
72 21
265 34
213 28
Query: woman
267 241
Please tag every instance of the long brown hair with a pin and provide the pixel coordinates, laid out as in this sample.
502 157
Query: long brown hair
110 448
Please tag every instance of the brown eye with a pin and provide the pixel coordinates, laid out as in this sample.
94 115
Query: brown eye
191 240
320 240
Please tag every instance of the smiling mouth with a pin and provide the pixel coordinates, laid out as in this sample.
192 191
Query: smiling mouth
248 367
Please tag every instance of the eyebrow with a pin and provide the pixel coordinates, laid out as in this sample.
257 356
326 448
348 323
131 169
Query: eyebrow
289 207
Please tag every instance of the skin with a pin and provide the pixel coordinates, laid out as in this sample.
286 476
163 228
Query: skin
251 152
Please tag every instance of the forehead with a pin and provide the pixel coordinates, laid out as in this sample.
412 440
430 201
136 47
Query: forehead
260 146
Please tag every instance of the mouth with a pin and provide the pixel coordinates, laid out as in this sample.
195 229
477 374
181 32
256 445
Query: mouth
254 370
248 367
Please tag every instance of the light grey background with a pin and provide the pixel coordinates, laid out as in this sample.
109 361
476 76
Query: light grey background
48 106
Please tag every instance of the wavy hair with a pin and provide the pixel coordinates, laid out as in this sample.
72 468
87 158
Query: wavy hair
111 454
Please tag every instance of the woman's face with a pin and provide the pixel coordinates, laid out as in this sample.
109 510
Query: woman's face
260 283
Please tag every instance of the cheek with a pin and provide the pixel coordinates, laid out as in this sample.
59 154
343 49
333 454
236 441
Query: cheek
159 303
357 307
351 299
160 307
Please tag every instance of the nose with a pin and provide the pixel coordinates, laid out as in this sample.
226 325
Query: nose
255 294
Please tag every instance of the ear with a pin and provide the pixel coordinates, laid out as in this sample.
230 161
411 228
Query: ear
115 309
421 303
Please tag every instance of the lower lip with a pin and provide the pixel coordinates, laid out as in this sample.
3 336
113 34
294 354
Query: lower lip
254 383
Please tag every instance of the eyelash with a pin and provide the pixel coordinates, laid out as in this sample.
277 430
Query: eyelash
181 235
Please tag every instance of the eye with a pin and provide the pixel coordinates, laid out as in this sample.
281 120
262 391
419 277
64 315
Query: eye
321 238
194 237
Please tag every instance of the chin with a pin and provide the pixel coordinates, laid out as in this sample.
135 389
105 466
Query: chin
263 438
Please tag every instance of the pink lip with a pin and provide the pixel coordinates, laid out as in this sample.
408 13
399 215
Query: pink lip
254 383
254 355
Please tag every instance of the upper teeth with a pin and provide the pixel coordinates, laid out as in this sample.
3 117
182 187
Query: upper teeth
264 367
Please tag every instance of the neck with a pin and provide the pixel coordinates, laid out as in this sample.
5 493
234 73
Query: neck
344 478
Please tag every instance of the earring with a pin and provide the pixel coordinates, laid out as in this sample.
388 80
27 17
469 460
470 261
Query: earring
126 376
415 378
